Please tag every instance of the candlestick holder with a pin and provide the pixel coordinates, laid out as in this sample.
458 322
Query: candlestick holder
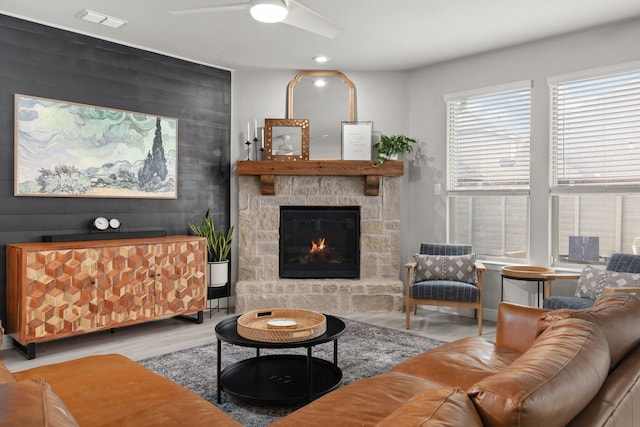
248 144
259 151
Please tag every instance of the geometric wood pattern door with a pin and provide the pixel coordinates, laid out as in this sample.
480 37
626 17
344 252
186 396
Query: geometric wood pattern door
72 289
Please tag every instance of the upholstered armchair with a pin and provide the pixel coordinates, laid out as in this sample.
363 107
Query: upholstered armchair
622 274
444 275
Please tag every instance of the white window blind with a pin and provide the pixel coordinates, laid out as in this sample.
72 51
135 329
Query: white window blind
595 131
488 138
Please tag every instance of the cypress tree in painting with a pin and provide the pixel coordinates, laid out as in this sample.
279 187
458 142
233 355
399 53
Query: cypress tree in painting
155 165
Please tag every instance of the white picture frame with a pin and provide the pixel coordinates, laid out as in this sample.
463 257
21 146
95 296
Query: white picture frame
356 140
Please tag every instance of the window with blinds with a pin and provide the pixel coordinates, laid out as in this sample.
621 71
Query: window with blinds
488 138
595 130
595 160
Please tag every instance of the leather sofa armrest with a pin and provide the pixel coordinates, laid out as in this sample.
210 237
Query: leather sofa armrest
517 326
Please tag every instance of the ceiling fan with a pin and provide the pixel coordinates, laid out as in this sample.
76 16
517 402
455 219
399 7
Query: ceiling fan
288 12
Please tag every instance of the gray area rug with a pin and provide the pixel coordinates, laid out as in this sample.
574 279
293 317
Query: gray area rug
363 351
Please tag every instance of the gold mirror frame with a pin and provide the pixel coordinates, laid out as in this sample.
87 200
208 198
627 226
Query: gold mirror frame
325 107
300 139
322 73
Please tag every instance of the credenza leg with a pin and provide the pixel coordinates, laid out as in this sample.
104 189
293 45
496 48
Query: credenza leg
198 319
29 350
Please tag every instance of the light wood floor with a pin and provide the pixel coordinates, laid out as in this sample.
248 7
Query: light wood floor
165 336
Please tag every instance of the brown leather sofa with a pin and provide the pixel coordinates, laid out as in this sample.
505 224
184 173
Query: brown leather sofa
546 368
106 390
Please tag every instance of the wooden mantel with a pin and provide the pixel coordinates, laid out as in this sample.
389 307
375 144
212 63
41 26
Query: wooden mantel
268 169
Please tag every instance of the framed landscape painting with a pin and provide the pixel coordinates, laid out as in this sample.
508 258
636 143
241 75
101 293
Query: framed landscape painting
65 149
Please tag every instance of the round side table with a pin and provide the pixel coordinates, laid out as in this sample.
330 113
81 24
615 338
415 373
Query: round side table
527 273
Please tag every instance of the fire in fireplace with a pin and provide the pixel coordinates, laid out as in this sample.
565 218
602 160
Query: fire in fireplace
319 242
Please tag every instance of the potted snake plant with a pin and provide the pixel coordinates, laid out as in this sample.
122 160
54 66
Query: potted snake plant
218 249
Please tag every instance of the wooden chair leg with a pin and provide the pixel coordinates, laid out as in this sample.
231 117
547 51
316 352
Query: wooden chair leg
408 315
479 316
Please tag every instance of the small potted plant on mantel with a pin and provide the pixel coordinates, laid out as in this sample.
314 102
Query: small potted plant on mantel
636 246
218 248
392 147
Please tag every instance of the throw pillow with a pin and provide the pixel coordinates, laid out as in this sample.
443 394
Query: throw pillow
614 279
590 282
460 268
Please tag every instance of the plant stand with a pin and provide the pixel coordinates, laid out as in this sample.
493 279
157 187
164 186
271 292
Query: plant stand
217 292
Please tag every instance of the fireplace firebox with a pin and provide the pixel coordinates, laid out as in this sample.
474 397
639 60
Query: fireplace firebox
319 242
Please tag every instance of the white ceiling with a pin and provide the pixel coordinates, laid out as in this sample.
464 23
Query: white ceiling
376 34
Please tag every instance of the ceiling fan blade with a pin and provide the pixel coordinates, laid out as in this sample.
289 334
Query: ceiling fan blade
308 20
218 8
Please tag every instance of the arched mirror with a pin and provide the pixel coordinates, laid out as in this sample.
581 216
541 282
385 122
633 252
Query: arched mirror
326 98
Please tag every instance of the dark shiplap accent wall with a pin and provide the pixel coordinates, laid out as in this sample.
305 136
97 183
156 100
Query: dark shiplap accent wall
46 62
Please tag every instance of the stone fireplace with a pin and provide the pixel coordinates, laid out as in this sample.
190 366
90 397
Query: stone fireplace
259 285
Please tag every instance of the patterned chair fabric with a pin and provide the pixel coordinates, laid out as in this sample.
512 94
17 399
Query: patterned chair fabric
444 292
573 303
624 263
619 262
445 249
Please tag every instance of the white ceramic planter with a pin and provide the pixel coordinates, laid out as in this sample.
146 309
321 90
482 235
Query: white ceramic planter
636 250
218 273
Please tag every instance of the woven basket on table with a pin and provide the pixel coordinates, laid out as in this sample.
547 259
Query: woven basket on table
253 325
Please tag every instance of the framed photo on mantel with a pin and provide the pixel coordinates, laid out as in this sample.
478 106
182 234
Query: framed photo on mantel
356 140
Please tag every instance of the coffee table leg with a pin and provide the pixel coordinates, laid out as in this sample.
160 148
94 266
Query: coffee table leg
219 361
309 374
335 352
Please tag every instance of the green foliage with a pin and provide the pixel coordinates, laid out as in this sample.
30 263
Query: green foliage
636 241
218 243
393 145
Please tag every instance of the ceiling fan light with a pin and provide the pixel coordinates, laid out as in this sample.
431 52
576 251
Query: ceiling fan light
269 11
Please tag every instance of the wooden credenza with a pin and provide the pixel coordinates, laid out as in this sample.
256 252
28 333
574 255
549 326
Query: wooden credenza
56 290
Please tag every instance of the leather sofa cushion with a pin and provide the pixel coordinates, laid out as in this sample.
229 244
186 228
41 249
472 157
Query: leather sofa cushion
435 407
458 364
550 383
617 315
618 400
361 403
5 374
32 403
112 390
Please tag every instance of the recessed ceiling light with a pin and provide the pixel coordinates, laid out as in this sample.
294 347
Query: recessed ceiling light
113 22
320 59
320 83
91 16
100 18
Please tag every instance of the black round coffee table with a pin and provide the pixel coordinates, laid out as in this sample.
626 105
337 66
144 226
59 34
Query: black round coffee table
278 378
